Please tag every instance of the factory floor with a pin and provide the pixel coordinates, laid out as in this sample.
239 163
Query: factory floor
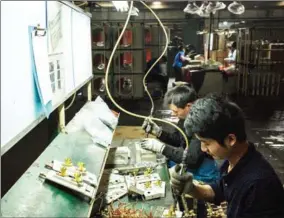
265 127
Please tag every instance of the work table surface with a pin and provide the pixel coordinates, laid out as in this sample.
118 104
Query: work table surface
32 197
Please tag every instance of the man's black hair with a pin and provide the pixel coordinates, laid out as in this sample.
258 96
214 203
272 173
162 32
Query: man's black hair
234 45
215 118
181 47
180 96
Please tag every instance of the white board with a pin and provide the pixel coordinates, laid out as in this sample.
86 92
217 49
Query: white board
19 110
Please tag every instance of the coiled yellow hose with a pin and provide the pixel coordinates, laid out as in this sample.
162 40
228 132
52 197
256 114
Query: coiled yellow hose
144 79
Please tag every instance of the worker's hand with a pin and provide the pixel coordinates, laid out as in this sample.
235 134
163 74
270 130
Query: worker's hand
150 127
152 145
181 183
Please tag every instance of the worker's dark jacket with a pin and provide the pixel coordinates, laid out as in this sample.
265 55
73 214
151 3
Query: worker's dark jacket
252 188
203 167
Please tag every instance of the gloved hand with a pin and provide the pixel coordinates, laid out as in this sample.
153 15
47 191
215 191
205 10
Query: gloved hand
150 127
152 145
181 183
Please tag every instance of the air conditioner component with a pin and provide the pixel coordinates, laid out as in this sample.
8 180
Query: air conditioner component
236 8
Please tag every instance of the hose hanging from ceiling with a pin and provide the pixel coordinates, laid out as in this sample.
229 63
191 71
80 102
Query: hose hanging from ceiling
144 79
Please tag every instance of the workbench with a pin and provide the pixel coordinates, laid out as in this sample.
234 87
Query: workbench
156 206
30 196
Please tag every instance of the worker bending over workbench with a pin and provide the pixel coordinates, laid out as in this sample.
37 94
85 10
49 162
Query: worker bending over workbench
172 145
249 184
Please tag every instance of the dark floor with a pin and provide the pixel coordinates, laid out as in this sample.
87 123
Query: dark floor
265 126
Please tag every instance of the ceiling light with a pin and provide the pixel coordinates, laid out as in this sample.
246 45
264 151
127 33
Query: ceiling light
157 3
121 5
225 23
236 8
191 8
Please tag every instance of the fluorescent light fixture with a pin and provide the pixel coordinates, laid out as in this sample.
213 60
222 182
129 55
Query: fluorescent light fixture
121 5
157 3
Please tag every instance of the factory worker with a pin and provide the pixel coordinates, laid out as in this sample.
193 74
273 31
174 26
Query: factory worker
178 62
179 99
248 184
202 166
230 61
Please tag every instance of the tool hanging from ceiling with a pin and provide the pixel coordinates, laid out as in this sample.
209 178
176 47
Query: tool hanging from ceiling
150 117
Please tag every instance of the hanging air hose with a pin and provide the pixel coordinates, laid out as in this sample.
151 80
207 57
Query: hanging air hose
144 83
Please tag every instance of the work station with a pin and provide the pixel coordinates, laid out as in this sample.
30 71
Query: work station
142 109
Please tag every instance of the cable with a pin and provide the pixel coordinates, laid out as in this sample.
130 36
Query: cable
71 102
165 50
107 83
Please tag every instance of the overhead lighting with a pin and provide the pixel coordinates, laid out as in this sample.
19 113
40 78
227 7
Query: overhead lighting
236 8
225 23
121 5
157 3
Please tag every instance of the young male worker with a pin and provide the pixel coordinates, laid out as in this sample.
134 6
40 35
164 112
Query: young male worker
248 183
172 145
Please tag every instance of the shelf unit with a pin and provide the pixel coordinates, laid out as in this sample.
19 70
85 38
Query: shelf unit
129 62
260 61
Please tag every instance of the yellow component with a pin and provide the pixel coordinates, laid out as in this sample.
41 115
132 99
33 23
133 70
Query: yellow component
148 172
171 212
148 184
135 172
158 183
81 166
68 162
78 177
63 171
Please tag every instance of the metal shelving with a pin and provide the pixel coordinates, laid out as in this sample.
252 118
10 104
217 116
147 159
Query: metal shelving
260 61
135 54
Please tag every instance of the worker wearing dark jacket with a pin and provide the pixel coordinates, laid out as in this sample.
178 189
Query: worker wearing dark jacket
172 145
248 183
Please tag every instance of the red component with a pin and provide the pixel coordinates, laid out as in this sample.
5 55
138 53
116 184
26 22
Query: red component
126 38
148 36
126 58
148 55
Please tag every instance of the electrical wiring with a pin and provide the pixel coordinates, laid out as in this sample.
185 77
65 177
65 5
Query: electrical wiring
107 79
71 103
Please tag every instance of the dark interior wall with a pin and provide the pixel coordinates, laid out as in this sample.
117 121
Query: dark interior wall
189 33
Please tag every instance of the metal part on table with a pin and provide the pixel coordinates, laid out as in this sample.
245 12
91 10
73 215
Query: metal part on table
87 177
69 182
150 187
118 155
